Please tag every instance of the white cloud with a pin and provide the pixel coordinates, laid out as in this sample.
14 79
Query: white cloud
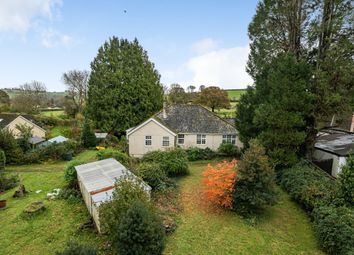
18 15
224 67
204 45
52 38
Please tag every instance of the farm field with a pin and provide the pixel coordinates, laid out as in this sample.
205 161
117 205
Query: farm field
201 229
235 94
53 114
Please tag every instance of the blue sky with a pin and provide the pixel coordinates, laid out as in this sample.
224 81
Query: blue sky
191 42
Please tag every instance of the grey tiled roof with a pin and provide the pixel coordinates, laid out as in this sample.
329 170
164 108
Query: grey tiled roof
193 119
7 118
338 144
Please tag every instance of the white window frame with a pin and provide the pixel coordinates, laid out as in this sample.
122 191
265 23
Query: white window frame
148 140
229 138
201 139
180 137
165 141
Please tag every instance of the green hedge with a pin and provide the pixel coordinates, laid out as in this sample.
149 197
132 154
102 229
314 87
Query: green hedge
334 227
195 153
307 185
172 162
116 154
229 150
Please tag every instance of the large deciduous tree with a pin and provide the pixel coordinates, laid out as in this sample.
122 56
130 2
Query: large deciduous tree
214 98
76 82
31 96
124 86
177 95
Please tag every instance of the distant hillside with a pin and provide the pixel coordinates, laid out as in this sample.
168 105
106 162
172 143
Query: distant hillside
235 94
14 92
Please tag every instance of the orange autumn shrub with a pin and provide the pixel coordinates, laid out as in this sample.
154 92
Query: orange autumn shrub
218 182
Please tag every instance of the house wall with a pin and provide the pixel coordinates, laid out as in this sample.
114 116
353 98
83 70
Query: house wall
22 121
338 161
213 141
137 147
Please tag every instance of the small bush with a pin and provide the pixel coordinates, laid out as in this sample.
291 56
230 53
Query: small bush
196 153
70 174
140 232
173 162
218 183
254 186
307 185
8 181
2 161
334 229
128 189
229 150
346 182
74 248
153 175
118 155
70 194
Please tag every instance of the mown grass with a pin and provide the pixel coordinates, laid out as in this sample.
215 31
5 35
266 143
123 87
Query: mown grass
47 232
284 229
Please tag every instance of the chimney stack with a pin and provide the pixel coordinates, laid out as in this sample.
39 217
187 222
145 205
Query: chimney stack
164 114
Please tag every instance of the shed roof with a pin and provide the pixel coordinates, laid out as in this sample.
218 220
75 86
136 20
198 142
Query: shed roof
36 140
185 118
100 135
58 139
99 178
338 144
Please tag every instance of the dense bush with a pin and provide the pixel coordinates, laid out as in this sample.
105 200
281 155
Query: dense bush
74 248
72 195
254 186
307 185
173 162
140 232
88 137
195 153
116 154
70 174
229 150
2 160
153 175
334 229
346 183
8 181
10 146
128 189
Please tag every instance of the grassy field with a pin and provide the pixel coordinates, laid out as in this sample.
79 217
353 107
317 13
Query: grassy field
235 94
55 114
285 228
48 232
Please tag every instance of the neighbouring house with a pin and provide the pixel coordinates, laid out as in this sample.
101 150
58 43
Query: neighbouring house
181 125
12 121
331 150
35 141
97 183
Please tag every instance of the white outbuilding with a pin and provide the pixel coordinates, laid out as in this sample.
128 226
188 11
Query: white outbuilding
97 183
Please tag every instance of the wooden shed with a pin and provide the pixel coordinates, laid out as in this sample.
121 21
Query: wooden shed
97 183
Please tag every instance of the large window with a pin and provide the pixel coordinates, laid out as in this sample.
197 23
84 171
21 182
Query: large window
165 141
201 139
148 140
180 139
229 139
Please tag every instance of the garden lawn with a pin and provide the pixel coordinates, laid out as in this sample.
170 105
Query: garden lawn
202 229
49 231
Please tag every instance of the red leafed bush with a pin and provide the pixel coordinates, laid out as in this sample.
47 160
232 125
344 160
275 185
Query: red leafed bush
218 183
